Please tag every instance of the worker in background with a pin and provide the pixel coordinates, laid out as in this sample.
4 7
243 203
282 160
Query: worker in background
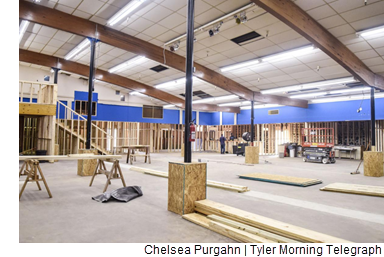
222 143
232 137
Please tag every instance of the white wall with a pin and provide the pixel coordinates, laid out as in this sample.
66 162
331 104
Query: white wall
67 85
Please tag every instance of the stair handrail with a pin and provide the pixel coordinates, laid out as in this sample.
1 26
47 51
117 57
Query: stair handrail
110 138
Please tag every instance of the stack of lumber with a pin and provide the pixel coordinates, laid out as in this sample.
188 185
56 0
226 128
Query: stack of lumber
355 189
210 183
247 227
285 180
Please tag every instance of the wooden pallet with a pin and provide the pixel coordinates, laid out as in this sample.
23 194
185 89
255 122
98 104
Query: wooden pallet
208 207
279 179
355 189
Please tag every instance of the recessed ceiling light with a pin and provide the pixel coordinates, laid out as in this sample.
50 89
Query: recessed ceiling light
369 33
133 5
79 48
23 27
289 54
134 61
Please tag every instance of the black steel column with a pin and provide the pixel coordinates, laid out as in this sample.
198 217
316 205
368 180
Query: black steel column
189 80
55 74
91 81
252 122
373 118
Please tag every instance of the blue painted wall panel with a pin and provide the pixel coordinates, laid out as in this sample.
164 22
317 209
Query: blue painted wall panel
228 118
193 116
62 109
80 95
323 112
205 118
216 118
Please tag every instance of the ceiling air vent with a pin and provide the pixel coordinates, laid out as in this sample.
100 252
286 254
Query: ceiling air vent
247 38
201 94
159 68
273 112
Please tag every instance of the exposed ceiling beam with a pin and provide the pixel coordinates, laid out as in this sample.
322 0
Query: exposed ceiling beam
66 22
81 69
300 21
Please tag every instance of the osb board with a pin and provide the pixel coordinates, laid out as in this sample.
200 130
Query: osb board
187 183
252 154
355 189
37 109
286 180
373 164
86 167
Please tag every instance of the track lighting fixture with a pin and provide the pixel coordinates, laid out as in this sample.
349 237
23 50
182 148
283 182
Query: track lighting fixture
215 30
242 18
175 46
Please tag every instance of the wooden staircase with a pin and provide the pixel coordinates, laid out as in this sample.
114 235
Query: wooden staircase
71 131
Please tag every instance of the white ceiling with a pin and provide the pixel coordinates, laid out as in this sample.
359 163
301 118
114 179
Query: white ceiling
159 21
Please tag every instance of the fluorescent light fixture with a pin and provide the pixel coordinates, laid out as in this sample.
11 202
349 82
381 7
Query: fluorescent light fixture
289 54
236 103
341 91
168 106
79 48
211 99
177 82
345 98
309 85
137 94
308 95
23 27
171 83
125 11
237 66
368 33
261 106
134 61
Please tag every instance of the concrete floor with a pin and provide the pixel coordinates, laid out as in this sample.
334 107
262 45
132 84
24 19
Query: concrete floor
71 215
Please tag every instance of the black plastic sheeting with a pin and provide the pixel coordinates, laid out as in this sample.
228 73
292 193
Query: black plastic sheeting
124 194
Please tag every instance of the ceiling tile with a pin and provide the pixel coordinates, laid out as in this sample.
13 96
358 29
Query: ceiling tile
173 4
374 61
41 39
321 12
332 21
140 24
208 16
158 13
364 12
107 11
347 5
90 6
342 30
63 8
307 5
82 14
46 31
229 6
172 21
155 30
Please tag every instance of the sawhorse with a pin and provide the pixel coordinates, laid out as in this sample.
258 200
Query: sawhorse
32 168
114 173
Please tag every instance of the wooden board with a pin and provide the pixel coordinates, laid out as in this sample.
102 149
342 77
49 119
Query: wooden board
252 230
277 227
252 154
37 109
66 157
86 167
355 189
373 164
186 184
210 183
233 233
279 179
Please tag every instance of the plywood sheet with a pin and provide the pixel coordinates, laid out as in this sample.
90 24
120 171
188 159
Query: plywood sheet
252 154
86 167
355 189
373 164
279 179
187 183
